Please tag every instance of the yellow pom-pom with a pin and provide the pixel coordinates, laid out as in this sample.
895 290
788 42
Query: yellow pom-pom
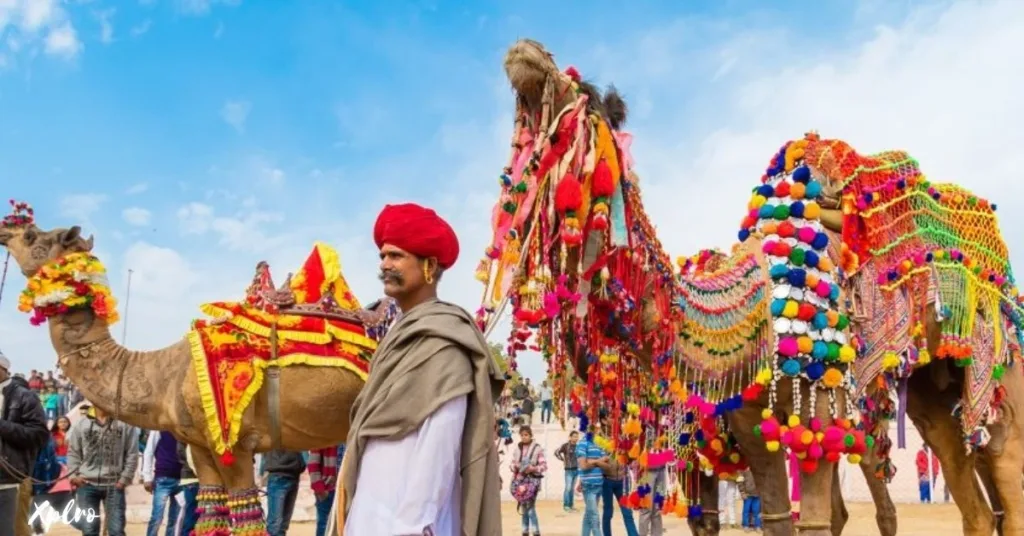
847 354
854 458
757 201
791 309
793 421
891 361
734 457
923 357
772 446
766 413
763 377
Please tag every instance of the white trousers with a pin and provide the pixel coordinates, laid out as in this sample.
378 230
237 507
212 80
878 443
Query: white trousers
727 497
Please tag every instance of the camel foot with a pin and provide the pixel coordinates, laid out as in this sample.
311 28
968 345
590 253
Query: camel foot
247 513
214 516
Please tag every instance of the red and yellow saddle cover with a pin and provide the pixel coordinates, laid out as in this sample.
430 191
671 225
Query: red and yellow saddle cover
232 350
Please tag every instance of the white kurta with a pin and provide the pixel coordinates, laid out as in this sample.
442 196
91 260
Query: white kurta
412 486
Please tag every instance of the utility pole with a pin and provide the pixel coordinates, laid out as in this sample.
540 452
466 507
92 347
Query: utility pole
127 301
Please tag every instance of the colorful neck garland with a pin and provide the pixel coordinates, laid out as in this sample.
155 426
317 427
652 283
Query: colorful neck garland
811 337
75 281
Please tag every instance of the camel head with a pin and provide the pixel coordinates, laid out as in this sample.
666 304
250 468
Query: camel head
32 247
537 81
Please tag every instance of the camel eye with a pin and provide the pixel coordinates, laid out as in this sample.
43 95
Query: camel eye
29 236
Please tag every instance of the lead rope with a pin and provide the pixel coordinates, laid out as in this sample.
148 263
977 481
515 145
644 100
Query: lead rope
3 278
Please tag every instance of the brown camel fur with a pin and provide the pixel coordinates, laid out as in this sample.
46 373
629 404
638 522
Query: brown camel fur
158 390
543 90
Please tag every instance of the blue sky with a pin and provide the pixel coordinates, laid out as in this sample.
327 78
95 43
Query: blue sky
195 138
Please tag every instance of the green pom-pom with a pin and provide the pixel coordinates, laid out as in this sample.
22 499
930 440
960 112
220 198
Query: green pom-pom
998 371
843 322
781 212
757 430
870 440
849 440
796 257
509 207
521 187
833 351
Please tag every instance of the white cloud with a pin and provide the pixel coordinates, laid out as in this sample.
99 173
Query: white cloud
141 28
202 7
137 188
235 113
158 272
63 41
81 206
106 25
195 218
137 216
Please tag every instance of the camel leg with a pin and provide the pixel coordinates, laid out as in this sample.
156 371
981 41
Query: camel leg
840 515
243 494
769 470
214 518
985 475
1005 465
816 488
707 524
885 509
928 409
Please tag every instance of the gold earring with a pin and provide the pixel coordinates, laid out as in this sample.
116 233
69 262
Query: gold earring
427 275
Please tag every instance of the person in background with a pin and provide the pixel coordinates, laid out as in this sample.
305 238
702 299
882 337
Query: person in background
529 464
44 475
23 435
103 454
59 434
189 492
35 381
323 477
527 408
925 484
592 461
281 470
547 402
656 476
751 519
727 498
50 403
567 455
613 489
161 476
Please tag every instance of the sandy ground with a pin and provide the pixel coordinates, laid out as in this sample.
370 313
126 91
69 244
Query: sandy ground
915 520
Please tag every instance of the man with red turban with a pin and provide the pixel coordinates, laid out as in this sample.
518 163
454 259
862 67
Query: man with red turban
420 456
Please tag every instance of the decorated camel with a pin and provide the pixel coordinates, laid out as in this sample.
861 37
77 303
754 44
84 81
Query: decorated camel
943 251
575 254
241 383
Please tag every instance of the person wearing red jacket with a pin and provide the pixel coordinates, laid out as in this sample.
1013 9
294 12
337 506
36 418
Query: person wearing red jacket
924 482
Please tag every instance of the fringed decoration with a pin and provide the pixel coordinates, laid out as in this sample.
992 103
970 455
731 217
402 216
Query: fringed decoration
214 514
247 513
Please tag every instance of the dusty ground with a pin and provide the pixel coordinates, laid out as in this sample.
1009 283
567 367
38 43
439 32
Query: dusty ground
915 520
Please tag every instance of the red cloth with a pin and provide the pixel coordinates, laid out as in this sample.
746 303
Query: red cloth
417 230
922 465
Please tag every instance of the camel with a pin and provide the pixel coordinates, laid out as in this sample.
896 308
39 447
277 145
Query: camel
932 387
158 390
545 97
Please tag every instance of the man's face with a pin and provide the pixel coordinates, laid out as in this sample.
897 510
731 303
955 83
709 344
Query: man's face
573 438
4 374
400 271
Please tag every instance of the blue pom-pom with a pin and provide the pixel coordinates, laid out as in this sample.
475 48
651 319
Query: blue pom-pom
695 511
689 418
791 367
802 174
892 276
796 209
820 349
815 370
743 235
868 198
820 241
765 190
901 184
811 259
778 271
684 439
777 307
699 435
813 190
766 211
820 321
928 257
797 277
834 292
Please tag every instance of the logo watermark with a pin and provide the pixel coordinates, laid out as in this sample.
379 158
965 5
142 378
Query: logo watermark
47 515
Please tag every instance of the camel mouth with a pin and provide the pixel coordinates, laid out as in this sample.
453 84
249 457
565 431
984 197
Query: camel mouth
528 66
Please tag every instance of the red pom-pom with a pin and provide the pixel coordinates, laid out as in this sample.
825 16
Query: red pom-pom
599 222
573 73
603 184
227 459
782 189
752 392
569 195
808 465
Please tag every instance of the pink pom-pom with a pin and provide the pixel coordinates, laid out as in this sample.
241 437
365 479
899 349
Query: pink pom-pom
693 402
806 235
815 424
823 289
815 451
768 247
788 347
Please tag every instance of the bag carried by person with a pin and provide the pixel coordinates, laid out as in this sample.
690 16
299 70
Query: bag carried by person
525 486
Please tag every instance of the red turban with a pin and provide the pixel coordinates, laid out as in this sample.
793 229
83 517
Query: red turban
419 231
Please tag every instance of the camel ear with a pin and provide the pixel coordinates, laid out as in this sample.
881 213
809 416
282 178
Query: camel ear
69 237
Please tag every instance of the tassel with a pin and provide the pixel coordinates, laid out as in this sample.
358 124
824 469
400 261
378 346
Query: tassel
569 195
603 184
227 459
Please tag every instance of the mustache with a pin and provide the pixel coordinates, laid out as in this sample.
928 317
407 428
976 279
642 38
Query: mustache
391 276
